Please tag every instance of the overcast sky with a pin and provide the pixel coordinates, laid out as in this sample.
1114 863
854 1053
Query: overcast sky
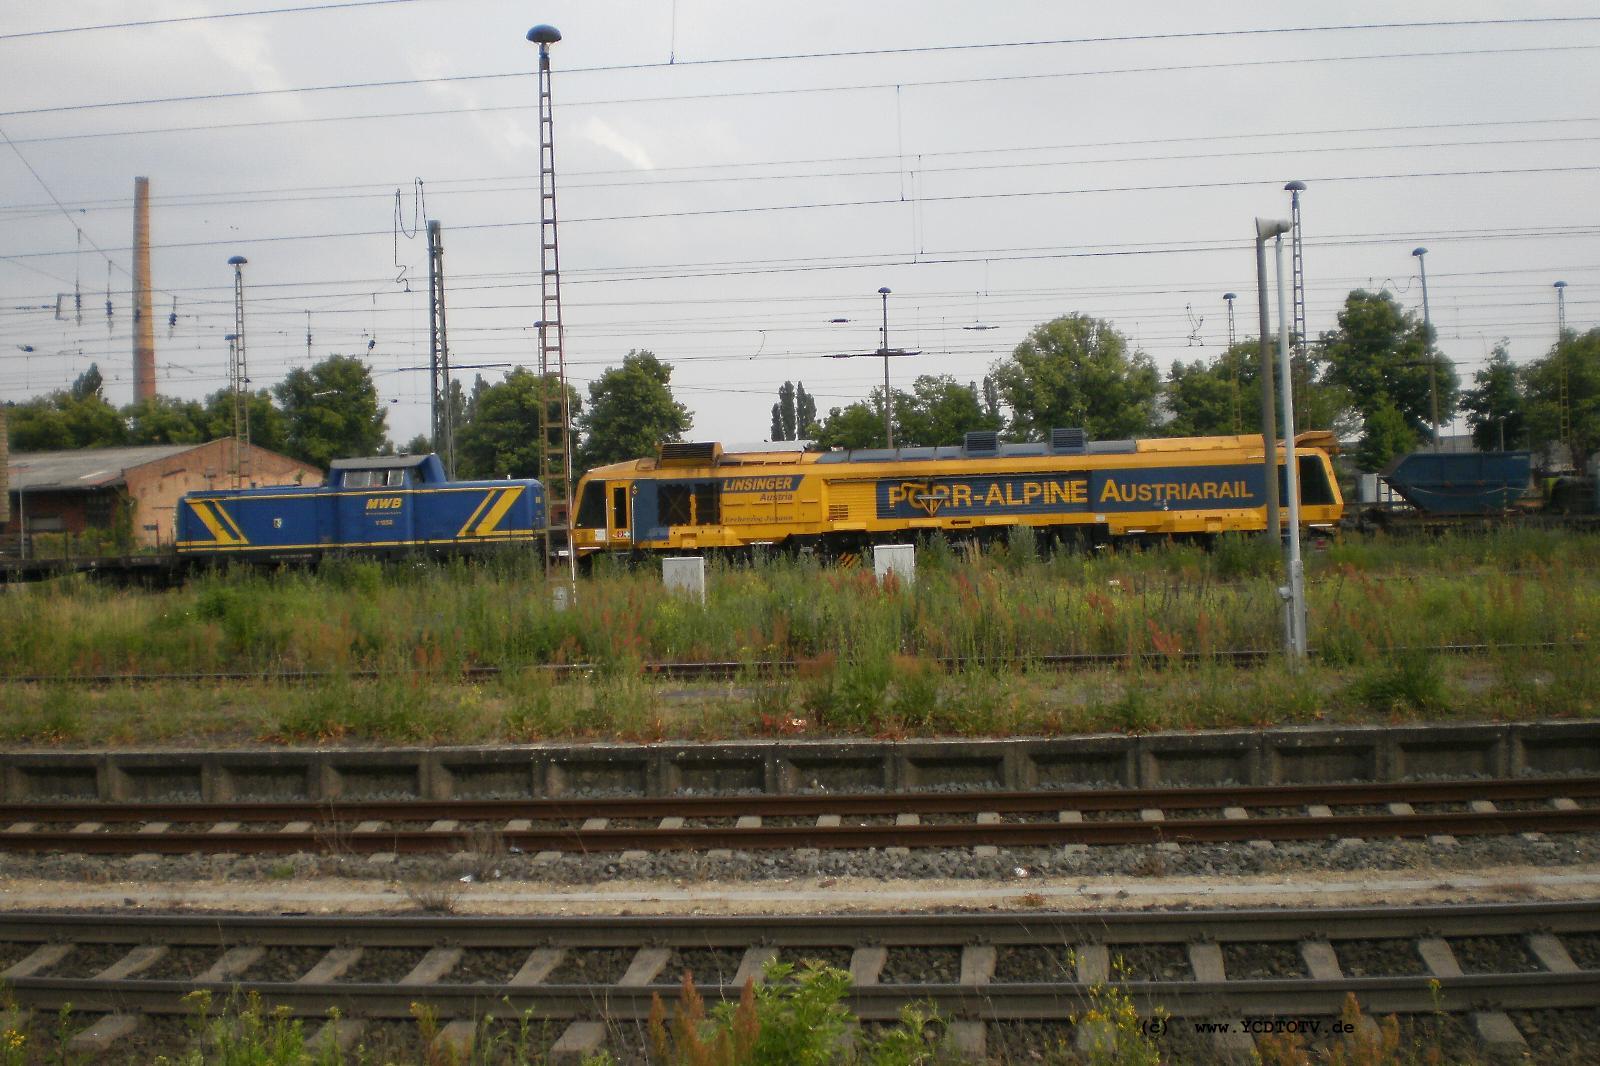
731 180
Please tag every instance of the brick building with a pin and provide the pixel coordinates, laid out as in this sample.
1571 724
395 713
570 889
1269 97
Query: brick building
135 488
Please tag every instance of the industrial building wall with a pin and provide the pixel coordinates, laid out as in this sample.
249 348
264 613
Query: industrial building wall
155 488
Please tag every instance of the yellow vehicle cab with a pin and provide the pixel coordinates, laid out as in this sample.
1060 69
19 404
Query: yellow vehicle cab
696 497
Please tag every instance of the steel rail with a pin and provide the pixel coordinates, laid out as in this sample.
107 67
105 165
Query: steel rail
992 1002
1215 925
345 839
755 670
1035 801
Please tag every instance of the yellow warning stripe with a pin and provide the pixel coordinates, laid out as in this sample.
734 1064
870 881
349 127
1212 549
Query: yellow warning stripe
497 512
217 522
465 529
222 513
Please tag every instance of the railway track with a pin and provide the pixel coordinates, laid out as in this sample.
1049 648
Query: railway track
990 820
1494 975
733 669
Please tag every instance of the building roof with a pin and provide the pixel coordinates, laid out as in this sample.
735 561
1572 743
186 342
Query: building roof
84 469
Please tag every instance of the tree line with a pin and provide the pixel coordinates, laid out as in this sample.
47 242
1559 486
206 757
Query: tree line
331 410
1375 377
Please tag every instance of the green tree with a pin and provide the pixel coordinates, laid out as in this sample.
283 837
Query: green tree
991 398
631 412
794 416
167 420
330 411
1077 371
938 410
75 417
1577 358
1494 405
805 412
783 414
858 425
1216 398
421 444
500 437
267 427
1379 354
1389 434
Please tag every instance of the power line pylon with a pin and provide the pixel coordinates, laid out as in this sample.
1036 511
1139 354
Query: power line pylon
444 429
555 414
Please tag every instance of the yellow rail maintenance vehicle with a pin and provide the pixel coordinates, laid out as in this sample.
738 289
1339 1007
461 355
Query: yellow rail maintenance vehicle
696 498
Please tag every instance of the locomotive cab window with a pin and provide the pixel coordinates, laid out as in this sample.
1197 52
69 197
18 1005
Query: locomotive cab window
1314 487
360 479
592 506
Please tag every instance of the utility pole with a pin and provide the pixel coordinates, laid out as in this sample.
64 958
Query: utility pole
444 431
886 353
1427 328
1268 227
555 434
239 378
144 323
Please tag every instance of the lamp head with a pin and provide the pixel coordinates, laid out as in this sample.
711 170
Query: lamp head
1295 186
884 291
238 261
543 35
1419 252
1561 285
1230 296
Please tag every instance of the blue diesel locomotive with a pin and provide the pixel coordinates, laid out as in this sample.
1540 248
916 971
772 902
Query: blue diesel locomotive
386 505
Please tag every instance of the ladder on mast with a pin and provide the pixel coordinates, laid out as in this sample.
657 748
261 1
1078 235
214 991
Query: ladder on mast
1302 371
555 415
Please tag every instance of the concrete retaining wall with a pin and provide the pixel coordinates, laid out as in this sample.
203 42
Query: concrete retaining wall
1272 756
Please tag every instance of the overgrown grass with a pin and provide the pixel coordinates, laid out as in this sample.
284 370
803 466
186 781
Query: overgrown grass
901 696
1367 600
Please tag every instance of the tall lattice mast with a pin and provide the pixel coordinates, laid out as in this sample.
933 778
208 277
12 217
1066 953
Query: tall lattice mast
1564 400
239 379
1302 367
555 417
444 429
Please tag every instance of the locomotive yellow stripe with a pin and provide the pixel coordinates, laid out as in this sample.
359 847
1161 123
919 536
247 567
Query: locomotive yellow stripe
476 511
210 519
209 546
222 513
497 512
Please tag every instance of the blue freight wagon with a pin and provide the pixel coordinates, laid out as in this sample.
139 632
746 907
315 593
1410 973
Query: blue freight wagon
376 506
1461 483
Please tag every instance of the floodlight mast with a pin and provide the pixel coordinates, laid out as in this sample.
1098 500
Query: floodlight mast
888 397
555 452
1238 413
238 377
1421 255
